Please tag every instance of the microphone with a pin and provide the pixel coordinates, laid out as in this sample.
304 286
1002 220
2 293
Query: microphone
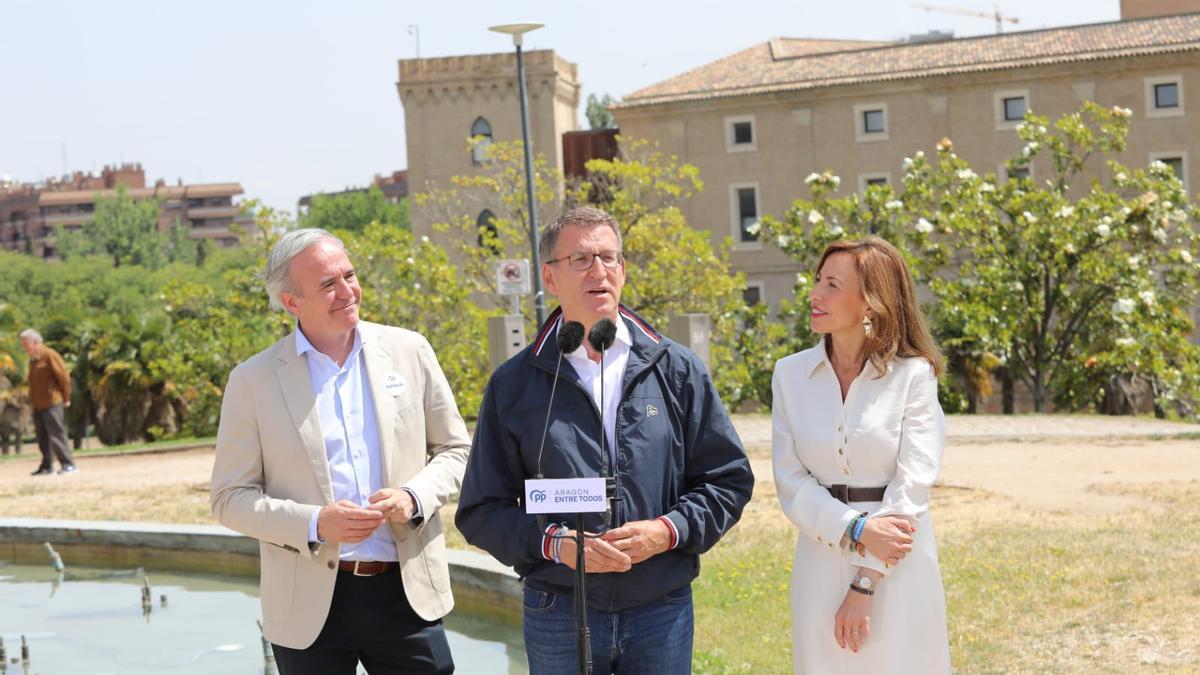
570 336
601 337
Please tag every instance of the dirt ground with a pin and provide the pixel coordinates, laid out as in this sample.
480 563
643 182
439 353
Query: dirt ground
1059 475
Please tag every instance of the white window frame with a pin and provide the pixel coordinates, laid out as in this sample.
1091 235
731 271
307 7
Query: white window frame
1154 112
864 177
860 124
735 216
998 107
1002 171
1172 154
762 290
730 146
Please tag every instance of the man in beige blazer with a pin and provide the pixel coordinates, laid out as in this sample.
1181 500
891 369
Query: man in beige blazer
337 446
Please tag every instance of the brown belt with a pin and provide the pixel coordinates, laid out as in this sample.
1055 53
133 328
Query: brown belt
846 494
366 568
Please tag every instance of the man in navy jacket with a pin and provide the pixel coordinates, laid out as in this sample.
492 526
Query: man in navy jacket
681 475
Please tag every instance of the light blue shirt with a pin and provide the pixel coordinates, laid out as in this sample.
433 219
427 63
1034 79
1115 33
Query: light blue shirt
346 409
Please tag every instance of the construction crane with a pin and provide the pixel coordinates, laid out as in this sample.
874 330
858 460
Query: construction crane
994 14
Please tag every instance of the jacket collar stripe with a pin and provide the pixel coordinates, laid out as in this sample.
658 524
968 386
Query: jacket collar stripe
641 325
547 330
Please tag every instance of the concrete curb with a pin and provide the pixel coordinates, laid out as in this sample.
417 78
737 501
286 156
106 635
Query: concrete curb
481 585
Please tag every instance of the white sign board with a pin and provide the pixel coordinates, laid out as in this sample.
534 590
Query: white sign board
512 277
565 495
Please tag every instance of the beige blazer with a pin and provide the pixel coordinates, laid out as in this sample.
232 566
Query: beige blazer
271 473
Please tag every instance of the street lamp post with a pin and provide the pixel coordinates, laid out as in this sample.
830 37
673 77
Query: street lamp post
517 30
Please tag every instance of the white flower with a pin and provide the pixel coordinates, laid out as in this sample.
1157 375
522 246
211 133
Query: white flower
1066 212
416 286
812 178
966 174
424 239
1029 217
783 240
801 280
409 260
1159 234
1102 230
924 226
1120 177
1017 286
1069 249
1126 342
894 205
1123 306
920 154
987 187
907 164
1121 112
1020 127
1185 255
835 180
1125 209
753 228
1159 166
836 231
1106 221
1029 149
1147 297
168 307
1041 129
815 217
1135 260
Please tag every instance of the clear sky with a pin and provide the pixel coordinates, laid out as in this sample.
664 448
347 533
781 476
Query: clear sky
294 97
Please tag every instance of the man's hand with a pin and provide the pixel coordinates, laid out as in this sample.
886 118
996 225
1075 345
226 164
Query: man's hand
396 505
598 555
346 522
640 539
889 538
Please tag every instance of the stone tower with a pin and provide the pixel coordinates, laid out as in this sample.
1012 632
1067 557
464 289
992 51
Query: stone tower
448 100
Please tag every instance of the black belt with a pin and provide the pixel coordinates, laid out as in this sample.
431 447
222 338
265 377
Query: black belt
846 494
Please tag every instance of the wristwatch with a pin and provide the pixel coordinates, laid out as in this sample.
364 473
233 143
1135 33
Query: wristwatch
863 584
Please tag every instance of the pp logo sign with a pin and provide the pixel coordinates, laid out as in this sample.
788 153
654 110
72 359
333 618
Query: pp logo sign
537 496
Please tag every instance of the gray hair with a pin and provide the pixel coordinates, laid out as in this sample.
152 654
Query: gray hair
580 216
277 275
31 334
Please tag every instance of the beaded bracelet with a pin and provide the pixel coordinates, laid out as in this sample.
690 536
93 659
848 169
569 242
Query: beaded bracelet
860 522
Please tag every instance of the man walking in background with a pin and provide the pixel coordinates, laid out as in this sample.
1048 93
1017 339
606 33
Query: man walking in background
49 394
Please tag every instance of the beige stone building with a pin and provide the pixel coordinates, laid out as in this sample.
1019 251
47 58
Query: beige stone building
450 100
757 122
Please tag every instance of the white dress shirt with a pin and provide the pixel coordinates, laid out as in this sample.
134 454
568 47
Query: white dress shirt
615 360
346 410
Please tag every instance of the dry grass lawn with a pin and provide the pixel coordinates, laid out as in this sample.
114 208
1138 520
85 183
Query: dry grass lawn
1074 557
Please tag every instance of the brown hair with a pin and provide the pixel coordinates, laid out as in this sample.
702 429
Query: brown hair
580 216
898 328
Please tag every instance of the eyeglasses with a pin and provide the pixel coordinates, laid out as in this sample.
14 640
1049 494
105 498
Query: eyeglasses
582 261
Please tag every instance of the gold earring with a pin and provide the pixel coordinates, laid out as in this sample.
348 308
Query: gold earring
867 325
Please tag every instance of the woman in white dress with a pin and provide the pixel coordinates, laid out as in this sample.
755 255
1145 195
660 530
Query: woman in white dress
857 443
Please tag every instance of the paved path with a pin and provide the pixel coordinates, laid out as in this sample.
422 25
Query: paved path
755 429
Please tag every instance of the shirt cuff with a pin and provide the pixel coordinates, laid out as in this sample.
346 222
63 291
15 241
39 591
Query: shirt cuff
417 514
674 532
312 528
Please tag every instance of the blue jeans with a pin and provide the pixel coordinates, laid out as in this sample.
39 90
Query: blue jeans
654 639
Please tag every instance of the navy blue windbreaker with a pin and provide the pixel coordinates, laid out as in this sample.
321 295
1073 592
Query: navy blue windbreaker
677 455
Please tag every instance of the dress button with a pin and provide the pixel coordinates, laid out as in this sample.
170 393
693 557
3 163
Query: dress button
841 451
330 564
820 538
846 470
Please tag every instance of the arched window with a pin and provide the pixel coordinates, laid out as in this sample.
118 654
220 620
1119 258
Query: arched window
482 130
484 224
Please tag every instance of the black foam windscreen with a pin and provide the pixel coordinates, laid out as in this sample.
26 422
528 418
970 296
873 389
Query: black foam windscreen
602 334
570 336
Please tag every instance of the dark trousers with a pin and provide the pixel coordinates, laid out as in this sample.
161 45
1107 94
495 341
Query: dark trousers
50 425
370 621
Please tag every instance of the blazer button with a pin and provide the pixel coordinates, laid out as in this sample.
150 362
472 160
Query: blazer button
330 564
846 471
841 451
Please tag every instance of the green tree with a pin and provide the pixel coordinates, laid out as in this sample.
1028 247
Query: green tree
598 114
1060 286
353 211
122 229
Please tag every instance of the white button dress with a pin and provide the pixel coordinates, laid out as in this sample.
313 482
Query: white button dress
889 432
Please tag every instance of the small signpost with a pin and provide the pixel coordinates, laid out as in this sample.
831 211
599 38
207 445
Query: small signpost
506 334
